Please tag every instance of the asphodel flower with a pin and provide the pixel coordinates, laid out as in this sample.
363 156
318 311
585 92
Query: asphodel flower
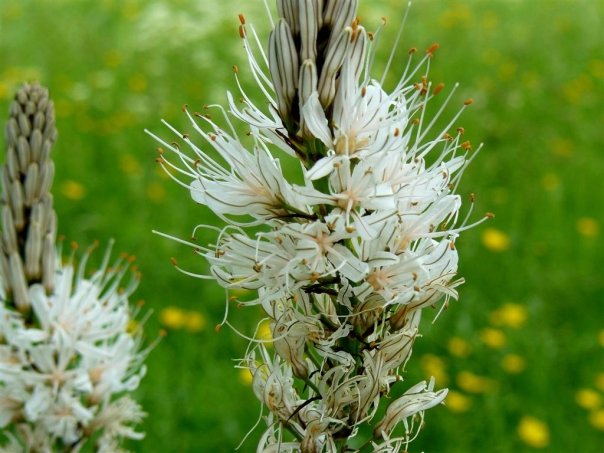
69 356
344 261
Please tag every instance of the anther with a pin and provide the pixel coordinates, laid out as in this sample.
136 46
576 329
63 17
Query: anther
472 197
433 48
397 132
468 101
241 18
438 88
184 107
466 145
412 50
242 32
461 130
489 215
173 261
235 69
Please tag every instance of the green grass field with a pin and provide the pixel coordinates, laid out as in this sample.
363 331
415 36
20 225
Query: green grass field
523 349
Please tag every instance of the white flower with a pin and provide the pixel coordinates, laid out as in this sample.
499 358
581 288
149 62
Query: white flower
417 399
344 260
57 379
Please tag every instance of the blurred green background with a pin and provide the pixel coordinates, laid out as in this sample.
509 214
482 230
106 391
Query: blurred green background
523 349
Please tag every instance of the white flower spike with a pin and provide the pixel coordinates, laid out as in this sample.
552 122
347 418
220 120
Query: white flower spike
345 259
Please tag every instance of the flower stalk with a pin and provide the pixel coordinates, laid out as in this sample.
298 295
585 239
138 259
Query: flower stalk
69 354
345 263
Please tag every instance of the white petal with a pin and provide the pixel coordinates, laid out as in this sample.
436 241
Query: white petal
316 121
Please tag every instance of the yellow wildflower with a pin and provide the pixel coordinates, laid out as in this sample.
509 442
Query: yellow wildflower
588 227
588 399
264 332
73 190
533 432
172 317
600 381
596 419
245 376
473 383
493 338
495 240
434 366
128 164
509 315
458 347
562 147
194 321
550 182
513 363
137 83
457 401
156 192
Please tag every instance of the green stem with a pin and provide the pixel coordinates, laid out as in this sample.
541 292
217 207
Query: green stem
290 428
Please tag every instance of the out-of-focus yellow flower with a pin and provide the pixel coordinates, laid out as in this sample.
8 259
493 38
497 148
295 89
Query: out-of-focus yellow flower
500 195
137 83
588 227
533 432
73 190
495 240
596 419
156 192
588 399
550 182
473 383
128 164
433 365
513 363
264 332
458 347
507 70
576 90
4 91
509 315
458 15
245 375
131 11
194 321
489 20
493 338
457 401
172 317
133 326
599 381
562 147
112 58
596 68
